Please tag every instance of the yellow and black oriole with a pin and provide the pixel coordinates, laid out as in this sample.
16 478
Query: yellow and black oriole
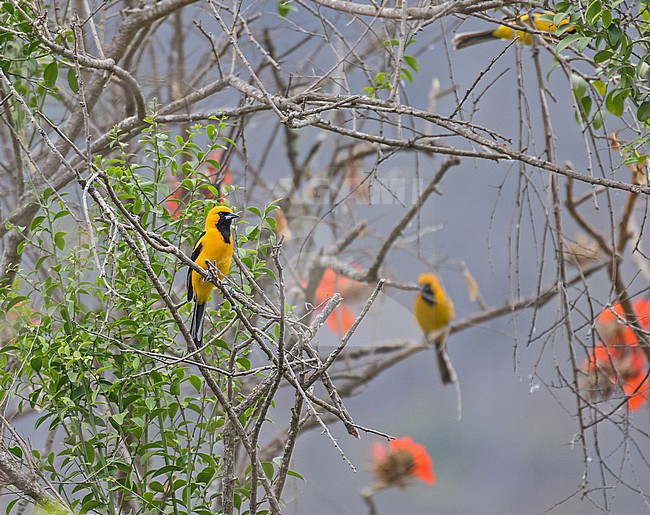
433 311
503 32
215 245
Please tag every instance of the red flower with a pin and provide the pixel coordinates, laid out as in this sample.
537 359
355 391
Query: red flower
613 329
342 317
619 360
401 460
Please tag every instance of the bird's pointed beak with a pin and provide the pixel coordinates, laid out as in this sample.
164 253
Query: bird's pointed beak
231 216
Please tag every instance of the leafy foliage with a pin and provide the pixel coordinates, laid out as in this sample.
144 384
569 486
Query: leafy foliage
620 57
102 357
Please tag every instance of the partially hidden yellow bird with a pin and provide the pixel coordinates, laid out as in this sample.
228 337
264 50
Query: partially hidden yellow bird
215 245
433 311
539 22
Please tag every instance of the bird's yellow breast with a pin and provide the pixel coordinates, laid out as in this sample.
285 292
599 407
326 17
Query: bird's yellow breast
431 317
216 250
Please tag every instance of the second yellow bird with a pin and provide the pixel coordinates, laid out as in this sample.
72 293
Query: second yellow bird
434 310
214 245
504 32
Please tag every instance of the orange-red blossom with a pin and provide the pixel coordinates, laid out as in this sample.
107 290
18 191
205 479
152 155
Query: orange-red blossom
342 318
619 360
398 462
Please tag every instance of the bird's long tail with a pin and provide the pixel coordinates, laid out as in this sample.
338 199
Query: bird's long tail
472 38
447 372
196 329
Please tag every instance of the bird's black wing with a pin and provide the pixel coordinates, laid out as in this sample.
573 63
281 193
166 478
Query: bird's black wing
195 254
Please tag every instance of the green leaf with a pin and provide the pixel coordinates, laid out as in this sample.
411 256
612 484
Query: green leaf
407 75
196 382
50 74
59 240
36 222
268 468
150 403
606 18
586 103
36 363
614 103
614 36
643 111
390 42
283 8
205 476
599 119
412 62
561 29
593 12
645 14
294 474
566 42
272 207
583 43
579 86
254 210
156 486
599 86
90 505
175 387
603 55
11 505
16 451
72 80
139 421
244 363
118 418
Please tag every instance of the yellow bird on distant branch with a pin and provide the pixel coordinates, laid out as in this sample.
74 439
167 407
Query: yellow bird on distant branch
540 22
434 310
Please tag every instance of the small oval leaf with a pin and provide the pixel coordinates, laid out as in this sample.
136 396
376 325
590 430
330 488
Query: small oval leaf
643 111
50 74
72 80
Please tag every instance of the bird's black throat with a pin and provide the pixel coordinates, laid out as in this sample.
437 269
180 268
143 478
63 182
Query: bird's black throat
223 225
427 294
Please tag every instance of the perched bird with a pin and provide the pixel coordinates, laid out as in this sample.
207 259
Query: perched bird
215 245
503 32
433 311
